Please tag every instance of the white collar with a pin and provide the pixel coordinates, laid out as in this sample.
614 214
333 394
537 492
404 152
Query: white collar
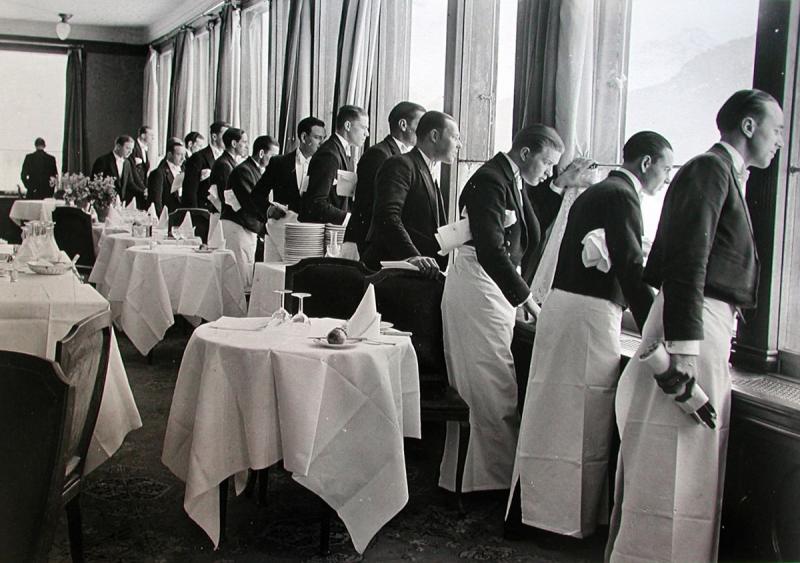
344 142
736 156
432 166
216 152
118 157
515 169
174 168
300 158
404 148
637 184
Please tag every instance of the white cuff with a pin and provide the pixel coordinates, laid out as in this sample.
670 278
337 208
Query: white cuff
685 347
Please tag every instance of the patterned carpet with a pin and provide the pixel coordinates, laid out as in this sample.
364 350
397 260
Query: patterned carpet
133 506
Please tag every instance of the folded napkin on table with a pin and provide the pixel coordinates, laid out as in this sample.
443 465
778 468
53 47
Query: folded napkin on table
216 238
595 251
186 228
240 323
276 229
131 205
213 197
365 322
453 235
163 220
113 219
151 212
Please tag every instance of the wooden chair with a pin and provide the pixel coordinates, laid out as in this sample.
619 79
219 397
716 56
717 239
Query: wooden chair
35 419
200 219
414 303
83 357
73 234
336 285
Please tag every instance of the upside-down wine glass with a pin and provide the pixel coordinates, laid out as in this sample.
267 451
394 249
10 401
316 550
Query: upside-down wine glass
301 317
282 315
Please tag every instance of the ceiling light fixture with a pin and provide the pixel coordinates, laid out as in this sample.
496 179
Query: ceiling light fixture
63 27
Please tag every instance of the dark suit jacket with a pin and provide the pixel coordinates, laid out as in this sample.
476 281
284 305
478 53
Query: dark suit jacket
704 245
612 205
368 166
159 188
139 170
125 185
242 181
280 178
320 204
408 209
546 204
195 191
37 169
220 173
486 196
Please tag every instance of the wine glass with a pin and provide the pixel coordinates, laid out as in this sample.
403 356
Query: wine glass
282 315
301 317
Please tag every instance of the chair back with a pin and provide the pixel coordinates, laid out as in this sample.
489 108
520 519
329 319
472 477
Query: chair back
35 417
83 356
413 302
336 286
73 233
200 219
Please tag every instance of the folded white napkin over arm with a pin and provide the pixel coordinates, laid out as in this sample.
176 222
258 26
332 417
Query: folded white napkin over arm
595 251
453 235
345 183
163 220
365 322
216 238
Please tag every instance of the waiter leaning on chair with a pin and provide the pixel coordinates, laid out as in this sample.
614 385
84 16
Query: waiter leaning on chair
671 469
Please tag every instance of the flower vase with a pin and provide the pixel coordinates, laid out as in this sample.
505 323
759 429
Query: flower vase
102 213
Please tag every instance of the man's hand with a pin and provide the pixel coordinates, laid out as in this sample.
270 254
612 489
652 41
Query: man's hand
427 265
577 175
275 212
531 309
684 363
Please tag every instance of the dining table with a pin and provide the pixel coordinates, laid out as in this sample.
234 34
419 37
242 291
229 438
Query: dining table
23 210
36 311
150 284
251 392
268 277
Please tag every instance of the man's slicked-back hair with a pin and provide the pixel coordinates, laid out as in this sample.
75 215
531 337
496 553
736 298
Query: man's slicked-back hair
307 123
143 129
263 143
645 143
404 110
218 126
173 142
432 120
39 142
230 135
192 137
349 113
537 137
123 139
742 104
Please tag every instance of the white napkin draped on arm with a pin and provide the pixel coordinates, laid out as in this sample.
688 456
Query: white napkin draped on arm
453 235
365 322
345 183
595 251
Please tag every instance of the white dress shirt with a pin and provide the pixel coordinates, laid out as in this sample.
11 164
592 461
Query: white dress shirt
432 166
300 169
634 180
144 147
120 164
345 144
404 148
216 152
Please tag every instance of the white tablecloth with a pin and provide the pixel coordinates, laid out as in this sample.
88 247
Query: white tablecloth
38 311
149 285
267 277
111 251
337 418
33 209
100 230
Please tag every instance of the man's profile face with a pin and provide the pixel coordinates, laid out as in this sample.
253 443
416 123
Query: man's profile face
538 167
125 149
358 131
178 155
148 137
767 138
449 142
657 175
310 142
240 147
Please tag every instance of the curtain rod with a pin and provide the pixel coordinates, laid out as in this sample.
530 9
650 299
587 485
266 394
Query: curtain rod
212 14
37 43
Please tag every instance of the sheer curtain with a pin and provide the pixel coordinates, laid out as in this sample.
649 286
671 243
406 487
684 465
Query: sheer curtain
181 101
164 86
255 69
74 158
358 41
229 67
150 117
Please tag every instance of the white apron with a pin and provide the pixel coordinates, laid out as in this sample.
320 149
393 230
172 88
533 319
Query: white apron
567 422
243 244
478 324
671 470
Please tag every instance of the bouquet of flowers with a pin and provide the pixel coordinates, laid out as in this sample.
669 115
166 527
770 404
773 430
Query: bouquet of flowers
102 191
74 188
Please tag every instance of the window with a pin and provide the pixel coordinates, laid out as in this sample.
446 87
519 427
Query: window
29 109
686 58
428 46
504 96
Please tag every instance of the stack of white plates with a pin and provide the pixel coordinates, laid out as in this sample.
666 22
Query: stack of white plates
334 232
304 240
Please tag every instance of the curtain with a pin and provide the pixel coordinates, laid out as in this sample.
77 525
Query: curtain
278 30
150 117
358 41
201 110
180 101
74 157
229 67
255 69
164 87
296 99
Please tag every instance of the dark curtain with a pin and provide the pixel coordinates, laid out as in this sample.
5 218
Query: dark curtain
74 158
535 71
226 70
296 86
179 94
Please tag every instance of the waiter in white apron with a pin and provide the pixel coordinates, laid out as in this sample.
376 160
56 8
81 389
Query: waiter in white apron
481 295
561 462
671 469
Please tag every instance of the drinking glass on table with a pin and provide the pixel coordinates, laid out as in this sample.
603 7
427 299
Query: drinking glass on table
282 315
301 317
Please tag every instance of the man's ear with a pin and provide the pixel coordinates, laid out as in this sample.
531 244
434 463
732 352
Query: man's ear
645 163
348 125
748 126
435 135
403 124
524 153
